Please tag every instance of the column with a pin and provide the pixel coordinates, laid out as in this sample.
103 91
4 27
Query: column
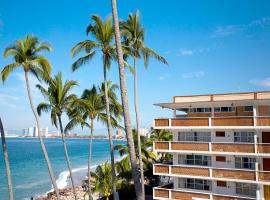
255 108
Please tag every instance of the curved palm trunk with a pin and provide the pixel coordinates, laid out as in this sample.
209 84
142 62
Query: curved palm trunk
122 77
138 125
109 127
90 159
4 146
67 157
41 139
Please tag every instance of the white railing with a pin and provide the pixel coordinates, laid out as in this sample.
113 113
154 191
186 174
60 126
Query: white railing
209 193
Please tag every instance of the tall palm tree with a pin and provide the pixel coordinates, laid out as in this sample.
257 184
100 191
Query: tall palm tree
127 122
91 106
59 99
4 146
102 31
25 54
134 37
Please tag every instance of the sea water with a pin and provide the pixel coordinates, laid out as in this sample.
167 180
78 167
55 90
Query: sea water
30 176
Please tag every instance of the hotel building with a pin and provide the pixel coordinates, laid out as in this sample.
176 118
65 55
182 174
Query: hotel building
220 147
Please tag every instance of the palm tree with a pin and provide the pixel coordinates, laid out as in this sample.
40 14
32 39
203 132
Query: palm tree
4 146
91 106
59 100
26 55
148 157
122 77
102 182
161 135
134 38
103 34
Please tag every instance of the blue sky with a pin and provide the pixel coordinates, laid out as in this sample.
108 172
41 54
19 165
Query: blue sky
211 46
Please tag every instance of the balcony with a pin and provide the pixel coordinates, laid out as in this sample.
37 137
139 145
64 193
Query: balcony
204 172
204 122
222 148
167 192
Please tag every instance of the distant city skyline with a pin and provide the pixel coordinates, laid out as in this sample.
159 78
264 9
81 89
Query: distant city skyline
211 47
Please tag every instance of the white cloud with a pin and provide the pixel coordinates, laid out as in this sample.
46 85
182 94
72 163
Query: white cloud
186 52
228 30
163 77
261 82
197 74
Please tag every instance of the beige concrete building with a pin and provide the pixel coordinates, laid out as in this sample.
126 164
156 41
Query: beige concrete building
220 147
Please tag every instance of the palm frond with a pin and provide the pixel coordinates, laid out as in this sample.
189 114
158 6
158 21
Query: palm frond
82 60
7 70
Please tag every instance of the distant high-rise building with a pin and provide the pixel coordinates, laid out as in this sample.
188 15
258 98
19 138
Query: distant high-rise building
144 132
33 132
119 134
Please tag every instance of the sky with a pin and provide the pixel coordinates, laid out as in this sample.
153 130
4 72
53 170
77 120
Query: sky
211 46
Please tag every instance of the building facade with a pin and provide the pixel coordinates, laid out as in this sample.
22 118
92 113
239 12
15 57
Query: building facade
220 148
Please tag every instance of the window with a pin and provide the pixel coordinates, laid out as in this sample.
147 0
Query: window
220 134
198 184
197 160
200 110
224 109
245 163
248 108
247 137
221 158
246 189
194 136
221 183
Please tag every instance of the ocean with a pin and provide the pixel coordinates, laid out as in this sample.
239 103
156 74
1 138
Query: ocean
29 172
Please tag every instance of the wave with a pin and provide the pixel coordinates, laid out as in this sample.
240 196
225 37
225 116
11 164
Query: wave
79 174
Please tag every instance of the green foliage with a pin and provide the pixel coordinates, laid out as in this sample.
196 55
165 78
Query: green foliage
25 54
102 180
58 97
91 106
103 35
133 40
148 157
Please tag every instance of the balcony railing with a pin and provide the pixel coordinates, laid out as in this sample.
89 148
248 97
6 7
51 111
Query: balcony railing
188 194
212 121
205 172
213 147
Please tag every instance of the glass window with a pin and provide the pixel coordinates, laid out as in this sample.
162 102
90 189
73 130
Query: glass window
247 137
197 184
246 189
200 110
248 108
198 160
224 109
245 163
194 136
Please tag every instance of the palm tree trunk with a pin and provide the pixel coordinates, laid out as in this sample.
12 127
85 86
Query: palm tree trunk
4 146
41 139
122 77
90 159
67 157
109 127
138 125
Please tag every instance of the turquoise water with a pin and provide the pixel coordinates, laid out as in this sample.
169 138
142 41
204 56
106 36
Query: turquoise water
29 172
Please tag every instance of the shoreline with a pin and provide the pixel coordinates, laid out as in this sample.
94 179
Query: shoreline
64 183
